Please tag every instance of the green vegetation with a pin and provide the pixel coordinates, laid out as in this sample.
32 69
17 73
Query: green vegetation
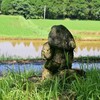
14 59
5 5
76 25
17 7
17 86
0 4
18 27
55 9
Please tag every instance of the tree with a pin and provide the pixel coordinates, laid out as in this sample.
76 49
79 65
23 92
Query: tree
5 6
55 9
0 4
21 7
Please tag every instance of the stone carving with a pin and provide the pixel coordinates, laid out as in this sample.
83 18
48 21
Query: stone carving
55 58
58 51
61 37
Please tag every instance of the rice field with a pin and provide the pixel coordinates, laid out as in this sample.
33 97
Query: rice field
19 27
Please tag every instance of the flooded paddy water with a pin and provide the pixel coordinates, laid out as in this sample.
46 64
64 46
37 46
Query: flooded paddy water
32 49
38 67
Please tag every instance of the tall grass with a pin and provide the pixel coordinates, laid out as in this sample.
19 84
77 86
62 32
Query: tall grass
16 86
89 88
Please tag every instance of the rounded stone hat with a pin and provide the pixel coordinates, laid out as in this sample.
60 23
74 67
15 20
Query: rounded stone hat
61 37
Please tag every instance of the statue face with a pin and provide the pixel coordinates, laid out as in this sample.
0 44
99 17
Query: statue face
46 51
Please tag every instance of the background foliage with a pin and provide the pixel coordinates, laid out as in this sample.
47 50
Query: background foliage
55 9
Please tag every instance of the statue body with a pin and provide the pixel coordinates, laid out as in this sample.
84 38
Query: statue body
59 50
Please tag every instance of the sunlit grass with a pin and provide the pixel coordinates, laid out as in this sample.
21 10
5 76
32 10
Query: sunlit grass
78 25
19 27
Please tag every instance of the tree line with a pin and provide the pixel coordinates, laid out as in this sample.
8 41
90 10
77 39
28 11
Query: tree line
52 9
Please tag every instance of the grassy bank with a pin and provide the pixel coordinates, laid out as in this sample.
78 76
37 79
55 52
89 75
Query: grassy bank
16 86
12 60
18 27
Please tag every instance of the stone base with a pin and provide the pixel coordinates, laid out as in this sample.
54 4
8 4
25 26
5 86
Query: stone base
46 74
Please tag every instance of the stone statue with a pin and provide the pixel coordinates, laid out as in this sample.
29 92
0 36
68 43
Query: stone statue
58 51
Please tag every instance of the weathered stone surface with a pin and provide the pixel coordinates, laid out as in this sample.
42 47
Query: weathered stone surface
59 62
58 51
66 73
46 51
56 59
72 72
61 37
46 74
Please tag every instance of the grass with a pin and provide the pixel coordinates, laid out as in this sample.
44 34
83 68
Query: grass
88 89
15 86
4 59
78 25
18 27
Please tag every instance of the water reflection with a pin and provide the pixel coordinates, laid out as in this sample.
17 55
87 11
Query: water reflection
86 52
19 50
32 48
87 48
